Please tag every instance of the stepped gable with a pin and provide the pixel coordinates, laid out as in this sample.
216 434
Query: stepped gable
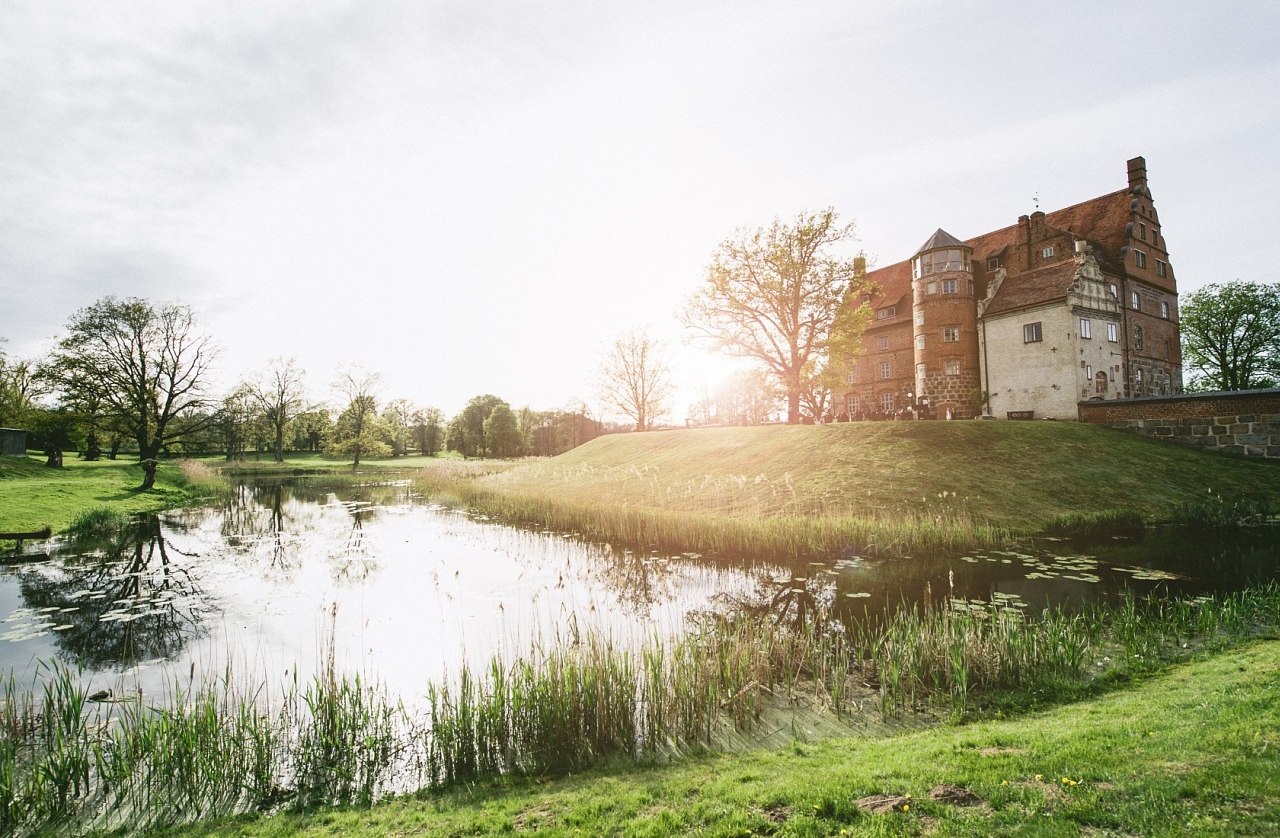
1043 285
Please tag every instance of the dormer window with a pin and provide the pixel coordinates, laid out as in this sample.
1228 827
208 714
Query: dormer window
886 313
993 263
1047 252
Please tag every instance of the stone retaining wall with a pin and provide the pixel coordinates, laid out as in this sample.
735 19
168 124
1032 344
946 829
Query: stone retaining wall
1245 423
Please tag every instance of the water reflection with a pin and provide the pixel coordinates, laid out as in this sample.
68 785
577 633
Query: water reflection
132 598
407 589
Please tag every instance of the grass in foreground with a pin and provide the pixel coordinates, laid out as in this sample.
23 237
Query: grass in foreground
875 487
1193 751
33 496
215 749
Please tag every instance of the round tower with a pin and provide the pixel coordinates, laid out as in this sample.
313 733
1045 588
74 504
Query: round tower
946 327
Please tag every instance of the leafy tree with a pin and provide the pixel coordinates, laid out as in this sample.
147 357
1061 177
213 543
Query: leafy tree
502 432
1231 336
467 431
145 364
774 293
280 397
428 430
19 387
636 380
311 430
358 431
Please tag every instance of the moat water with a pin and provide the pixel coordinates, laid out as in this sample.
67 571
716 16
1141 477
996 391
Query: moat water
405 589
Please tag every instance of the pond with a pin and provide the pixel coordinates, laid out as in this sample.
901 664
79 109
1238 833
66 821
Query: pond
403 588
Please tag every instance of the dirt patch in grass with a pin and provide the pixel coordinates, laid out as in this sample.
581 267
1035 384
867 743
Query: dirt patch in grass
534 818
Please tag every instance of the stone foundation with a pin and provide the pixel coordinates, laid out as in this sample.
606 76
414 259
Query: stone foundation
1245 423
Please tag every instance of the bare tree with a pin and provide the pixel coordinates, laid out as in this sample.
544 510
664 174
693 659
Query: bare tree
144 364
280 396
774 293
636 380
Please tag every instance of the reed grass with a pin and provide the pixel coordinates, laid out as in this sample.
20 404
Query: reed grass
938 530
70 766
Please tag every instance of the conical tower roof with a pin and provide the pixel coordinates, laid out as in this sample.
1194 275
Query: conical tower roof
940 239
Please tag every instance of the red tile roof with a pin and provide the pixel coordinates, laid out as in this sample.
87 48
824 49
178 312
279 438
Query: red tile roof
1043 285
1100 220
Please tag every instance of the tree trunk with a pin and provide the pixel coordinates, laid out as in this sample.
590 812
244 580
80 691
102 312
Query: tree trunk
279 448
148 473
793 406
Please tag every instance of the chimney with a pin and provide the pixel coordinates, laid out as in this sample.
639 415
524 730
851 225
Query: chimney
1024 224
1137 172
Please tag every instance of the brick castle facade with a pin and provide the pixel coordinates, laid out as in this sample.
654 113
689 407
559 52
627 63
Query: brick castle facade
1076 304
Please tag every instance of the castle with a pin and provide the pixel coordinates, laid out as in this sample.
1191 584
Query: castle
1076 304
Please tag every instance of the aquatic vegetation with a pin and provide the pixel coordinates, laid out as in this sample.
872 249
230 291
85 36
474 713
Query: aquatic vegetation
69 760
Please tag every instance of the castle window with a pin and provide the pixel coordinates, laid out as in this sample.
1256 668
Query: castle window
920 318
1085 327
1137 376
1161 268
931 287
886 369
853 404
937 261
951 366
1137 338
853 376
919 341
1139 258
882 343
1112 332
993 263
1088 372
948 286
886 402
866 298
950 334
1031 333
1047 252
1142 231
1115 292
1164 310
1134 302
886 313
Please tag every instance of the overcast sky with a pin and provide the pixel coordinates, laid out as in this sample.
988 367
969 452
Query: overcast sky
477 197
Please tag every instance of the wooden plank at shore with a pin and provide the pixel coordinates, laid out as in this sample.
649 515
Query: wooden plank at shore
47 532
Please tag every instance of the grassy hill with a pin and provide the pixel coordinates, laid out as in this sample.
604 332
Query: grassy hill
946 476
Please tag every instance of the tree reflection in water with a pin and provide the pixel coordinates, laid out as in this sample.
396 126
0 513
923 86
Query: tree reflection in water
783 598
129 600
352 561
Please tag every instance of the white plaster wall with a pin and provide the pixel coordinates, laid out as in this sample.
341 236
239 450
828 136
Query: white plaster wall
1044 376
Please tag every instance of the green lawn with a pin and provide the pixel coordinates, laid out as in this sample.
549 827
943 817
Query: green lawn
33 496
1019 475
1193 751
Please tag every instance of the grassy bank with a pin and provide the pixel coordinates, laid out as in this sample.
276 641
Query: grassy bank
1195 750
886 487
33 496
222 747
